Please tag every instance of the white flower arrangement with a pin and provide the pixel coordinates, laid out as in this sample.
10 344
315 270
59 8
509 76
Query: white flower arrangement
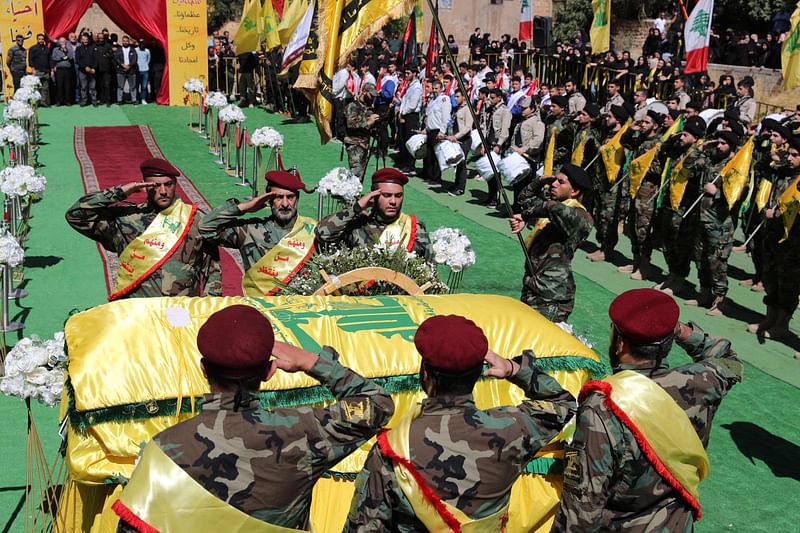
231 113
452 248
30 82
14 134
571 330
11 253
17 110
216 99
34 368
340 182
266 136
194 86
27 95
21 180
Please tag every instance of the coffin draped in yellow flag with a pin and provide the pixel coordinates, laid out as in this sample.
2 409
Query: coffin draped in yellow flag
788 204
600 32
790 53
736 173
340 27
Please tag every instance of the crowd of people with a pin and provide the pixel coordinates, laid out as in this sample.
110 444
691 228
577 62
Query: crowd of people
89 68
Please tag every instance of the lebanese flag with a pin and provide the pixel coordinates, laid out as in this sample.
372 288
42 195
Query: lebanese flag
525 21
697 35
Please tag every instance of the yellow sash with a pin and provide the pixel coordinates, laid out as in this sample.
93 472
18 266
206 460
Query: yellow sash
402 231
542 223
763 194
613 154
679 178
550 153
147 252
577 154
397 441
661 427
282 262
161 495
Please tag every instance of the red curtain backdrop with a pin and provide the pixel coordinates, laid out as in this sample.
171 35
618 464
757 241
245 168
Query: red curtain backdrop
137 18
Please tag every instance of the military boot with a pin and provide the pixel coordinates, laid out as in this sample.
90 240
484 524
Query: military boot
704 299
666 283
677 287
645 270
768 321
716 306
781 326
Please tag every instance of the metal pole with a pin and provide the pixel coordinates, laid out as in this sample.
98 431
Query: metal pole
699 199
6 325
484 142
750 238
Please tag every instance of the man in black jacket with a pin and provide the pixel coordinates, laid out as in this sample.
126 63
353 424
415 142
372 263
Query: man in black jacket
39 61
125 61
86 56
105 67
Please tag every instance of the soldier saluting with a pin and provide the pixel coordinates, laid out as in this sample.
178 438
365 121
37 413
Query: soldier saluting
161 252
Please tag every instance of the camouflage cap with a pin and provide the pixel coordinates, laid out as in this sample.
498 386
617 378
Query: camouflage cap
370 89
236 342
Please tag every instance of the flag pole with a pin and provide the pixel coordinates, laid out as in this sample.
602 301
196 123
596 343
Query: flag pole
484 142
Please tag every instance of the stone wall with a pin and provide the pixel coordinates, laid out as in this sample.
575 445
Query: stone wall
95 20
630 35
769 84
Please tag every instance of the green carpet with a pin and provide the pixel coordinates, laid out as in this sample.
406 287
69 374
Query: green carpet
753 452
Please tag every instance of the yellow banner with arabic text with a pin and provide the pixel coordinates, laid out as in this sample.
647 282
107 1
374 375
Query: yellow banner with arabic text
186 36
18 18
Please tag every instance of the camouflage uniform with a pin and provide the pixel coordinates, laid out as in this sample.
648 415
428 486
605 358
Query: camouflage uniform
550 288
265 463
678 232
610 206
353 227
565 132
590 147
469 457
762 170
781 260
642 217
357 139
193 266
715 236
609 484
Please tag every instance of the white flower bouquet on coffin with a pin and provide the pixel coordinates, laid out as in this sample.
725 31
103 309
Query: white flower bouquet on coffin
194 86
340 183
448 154
17 110
34 368
30 82
484 168
267 137
11 253
21 180
513 168
417 146
216 100
453 249
231 114
28 95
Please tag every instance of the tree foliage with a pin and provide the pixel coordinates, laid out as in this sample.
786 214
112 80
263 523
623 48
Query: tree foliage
221 11
572 17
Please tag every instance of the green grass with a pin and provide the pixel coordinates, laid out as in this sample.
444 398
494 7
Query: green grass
753 454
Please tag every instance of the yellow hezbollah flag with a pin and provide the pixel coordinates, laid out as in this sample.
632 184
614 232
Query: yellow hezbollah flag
293 12
639 167
613 154
790 53
788 204
341 27
600 32
420 22
268 25
675 128
549 154
763 194
247 38
736 172
679 178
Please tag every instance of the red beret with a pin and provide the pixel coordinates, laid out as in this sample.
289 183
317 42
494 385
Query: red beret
644 315
389 175
236 342
284 179
158 167
451 343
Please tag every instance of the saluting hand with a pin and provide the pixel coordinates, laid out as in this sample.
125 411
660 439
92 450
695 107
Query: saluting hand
517 223
136 186
499 367
365 200
291 358
256 204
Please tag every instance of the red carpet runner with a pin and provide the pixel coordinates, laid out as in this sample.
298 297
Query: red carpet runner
110 156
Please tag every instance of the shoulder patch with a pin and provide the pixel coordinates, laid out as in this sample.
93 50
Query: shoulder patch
573 467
